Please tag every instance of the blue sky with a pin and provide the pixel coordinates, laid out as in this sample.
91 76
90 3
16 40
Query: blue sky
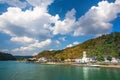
30 26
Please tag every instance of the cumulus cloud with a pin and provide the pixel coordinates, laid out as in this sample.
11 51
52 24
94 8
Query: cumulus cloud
117 1
97 19
29 27
4 50
34 26
40 3
35 53
16 22
30 23
23 39
23 4
15 3
34 46
69 45
67 25
75 43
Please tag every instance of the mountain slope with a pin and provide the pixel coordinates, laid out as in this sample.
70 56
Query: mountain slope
105 45
6 56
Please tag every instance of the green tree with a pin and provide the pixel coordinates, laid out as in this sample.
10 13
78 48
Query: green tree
100 58
109 58
62 59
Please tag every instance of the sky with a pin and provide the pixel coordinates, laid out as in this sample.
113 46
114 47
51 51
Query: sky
28 27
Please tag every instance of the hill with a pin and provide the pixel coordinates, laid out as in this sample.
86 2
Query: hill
105 45
25 57
5 56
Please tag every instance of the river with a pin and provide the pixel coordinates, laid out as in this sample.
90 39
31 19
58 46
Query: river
11 70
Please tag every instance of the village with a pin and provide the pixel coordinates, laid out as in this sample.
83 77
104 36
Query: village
84 61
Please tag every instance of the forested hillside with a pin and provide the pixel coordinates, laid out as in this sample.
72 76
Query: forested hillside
5 56
105 45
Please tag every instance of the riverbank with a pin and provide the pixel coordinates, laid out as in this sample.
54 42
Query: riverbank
84 65
110 66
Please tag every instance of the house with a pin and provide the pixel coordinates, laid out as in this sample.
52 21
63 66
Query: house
67 60
42 60
106 61
114 60
78 60
84 59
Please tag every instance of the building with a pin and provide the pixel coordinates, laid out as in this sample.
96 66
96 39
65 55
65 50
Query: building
85 59
42 60
78 60
68 60
114 60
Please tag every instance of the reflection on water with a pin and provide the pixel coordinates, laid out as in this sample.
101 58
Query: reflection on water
85 73
88 72
24 71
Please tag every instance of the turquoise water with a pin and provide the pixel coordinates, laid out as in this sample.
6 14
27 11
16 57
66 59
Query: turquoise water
31 71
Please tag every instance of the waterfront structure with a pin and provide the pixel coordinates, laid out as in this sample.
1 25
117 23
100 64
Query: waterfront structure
85 59
78 60
106 61
114 60
68 60
42 59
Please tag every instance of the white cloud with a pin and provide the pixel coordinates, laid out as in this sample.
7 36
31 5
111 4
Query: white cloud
4 50
16 22
95 22
23 39
75 43
31 23
67 25
22 4
34 54
29 26
40 3
97 19
34 25
51 49
117 2
15 3
33 46
69 45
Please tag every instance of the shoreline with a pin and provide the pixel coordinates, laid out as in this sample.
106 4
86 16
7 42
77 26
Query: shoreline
81 65
86 65
110 66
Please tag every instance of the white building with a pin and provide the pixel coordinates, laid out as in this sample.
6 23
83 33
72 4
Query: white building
42 59
85 59
106 60
114 60
78 60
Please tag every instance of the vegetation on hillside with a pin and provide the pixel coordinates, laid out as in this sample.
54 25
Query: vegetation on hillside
6 56
103 46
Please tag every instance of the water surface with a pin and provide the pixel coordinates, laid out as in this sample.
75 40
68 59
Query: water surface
10 70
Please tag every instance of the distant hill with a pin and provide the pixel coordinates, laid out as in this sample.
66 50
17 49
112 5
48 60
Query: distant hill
25 57
5 56
105 45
